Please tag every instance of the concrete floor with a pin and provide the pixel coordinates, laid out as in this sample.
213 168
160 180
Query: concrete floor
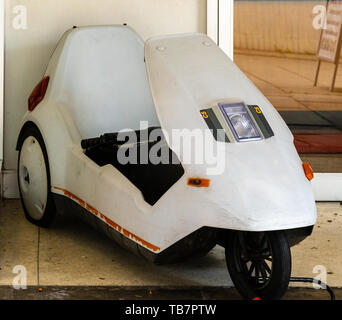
149 293
71 254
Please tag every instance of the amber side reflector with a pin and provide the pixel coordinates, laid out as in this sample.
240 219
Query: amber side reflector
38 93
198 182
308 171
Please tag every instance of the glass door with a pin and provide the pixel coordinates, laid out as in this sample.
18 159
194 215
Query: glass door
276 44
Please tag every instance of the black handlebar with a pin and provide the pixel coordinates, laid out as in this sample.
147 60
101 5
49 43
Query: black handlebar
103 139
112 138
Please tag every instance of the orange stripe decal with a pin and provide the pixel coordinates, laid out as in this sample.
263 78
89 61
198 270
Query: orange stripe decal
108 221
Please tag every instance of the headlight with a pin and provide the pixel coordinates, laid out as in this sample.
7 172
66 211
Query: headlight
240 121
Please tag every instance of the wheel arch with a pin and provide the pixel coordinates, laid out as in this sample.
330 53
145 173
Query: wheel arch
20 139
26 125
59 134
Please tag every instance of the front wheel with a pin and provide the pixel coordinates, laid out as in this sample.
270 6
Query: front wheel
259 263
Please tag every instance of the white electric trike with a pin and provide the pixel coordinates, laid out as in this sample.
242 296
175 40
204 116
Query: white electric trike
107 98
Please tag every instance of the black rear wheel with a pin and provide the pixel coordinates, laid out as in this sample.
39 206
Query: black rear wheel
259 263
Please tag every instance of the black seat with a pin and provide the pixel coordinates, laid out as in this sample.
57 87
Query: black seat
153 179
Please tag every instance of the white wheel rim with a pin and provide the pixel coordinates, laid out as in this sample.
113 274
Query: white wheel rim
33 178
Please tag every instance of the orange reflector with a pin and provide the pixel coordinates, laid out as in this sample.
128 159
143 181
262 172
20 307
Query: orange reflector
38 93
308 171
197 182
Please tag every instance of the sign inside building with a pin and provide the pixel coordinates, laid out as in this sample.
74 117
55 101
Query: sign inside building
330 42
329 47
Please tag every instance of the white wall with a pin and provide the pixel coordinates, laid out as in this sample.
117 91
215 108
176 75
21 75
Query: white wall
27 51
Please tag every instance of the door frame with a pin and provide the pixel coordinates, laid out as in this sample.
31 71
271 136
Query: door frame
2 68
220 24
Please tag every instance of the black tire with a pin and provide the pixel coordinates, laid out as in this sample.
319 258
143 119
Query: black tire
246 256
50 208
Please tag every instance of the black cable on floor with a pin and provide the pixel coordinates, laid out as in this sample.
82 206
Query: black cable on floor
312 280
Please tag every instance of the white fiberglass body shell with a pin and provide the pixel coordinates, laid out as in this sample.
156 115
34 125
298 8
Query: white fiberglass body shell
99 82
